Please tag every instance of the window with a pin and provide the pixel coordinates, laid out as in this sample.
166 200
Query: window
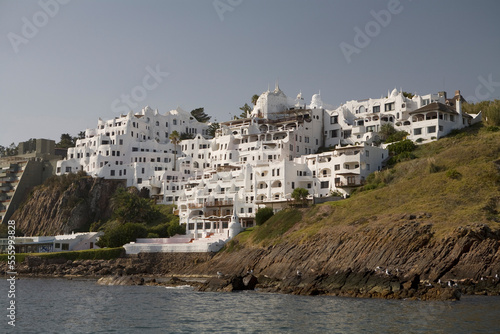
174 122
417 132
337 167
334 133
293 185
65 247
57 245
389 106
376 109
139 180
334 119
112 172
431 129
325 184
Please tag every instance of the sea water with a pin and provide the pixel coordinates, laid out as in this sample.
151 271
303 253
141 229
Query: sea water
82 306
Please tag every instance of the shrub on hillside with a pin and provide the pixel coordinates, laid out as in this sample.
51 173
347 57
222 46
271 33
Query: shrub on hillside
122 234
175 228
129 206
395 137
401 151
262 215
403 146
453 174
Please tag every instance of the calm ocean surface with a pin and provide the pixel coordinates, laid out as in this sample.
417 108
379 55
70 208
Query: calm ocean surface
80 306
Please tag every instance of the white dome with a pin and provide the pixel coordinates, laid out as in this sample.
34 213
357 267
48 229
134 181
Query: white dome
316 101
394 92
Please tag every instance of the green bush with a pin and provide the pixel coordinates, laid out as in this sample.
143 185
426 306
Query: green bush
161 231
262 215
129 206
493 128
395 137
122 234
453 174
402 146
175 228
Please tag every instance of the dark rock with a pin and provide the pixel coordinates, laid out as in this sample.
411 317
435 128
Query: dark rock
250 281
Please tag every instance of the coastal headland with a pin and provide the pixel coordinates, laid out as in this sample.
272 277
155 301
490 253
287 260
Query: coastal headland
404 261
426 228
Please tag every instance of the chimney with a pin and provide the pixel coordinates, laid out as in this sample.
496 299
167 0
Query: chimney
457 92
458 106
442 94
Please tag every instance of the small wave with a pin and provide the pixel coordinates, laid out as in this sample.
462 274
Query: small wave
179 287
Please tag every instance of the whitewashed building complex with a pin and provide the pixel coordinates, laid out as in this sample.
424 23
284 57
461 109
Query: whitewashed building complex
259 160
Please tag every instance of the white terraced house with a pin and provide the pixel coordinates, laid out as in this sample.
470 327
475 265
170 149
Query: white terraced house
259 160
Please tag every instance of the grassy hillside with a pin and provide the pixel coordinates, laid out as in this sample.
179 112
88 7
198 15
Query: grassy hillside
454 181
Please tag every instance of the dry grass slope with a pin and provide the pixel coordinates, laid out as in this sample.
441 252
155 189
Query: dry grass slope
455 180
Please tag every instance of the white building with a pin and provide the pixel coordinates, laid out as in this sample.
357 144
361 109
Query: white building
58 243
257 161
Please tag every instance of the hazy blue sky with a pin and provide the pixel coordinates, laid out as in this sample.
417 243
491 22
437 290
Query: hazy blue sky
62 67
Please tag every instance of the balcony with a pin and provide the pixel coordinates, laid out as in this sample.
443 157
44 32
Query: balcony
349 184
219 203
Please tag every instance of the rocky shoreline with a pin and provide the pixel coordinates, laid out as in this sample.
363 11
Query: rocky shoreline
397 259
150 269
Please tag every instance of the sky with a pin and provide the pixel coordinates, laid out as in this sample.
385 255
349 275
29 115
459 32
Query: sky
64 64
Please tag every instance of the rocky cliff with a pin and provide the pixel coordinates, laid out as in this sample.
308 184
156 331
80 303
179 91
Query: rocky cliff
55 208
371 259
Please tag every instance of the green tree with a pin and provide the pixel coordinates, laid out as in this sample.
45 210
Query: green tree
212 128
300 195
185 135
66 141
255 97
263 214
399 135
118 236
403 146
175 228
408 95
386 130
199 114
8 151
130 207
175 139
245 110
